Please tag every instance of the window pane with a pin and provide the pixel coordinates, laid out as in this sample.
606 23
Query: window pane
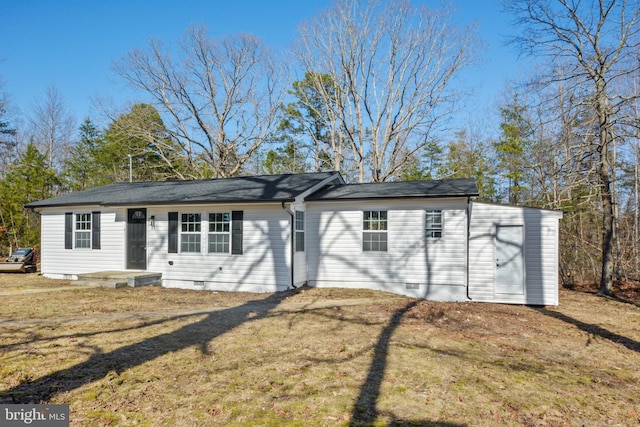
83 221
299 241
374 220
83 239
373 241
219 222
191 223
218 243
299 221
190 243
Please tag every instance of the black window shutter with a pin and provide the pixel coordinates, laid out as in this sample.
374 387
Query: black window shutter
236 232
68 230
173 232
95 230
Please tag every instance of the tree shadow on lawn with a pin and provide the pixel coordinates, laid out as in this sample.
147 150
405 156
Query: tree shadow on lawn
591 328
364 411
34 337
99 365
618 298
200 333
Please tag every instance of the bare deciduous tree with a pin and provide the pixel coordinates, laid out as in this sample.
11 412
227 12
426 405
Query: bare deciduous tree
52 126
219 99
392 66
596 42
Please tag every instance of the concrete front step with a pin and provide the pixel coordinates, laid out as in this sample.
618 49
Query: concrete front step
119 279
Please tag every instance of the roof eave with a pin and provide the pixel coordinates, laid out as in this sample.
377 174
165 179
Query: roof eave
165 203
421 196
198 202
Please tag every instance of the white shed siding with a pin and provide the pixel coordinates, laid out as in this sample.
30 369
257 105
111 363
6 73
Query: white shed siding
540 253
413 265
263 267
58 262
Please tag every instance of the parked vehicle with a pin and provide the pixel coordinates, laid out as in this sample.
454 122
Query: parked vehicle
22 260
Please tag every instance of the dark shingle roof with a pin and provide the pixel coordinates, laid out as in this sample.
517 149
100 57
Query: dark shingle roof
263 188
406 189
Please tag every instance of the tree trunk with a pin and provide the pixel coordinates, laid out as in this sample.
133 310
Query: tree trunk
606 278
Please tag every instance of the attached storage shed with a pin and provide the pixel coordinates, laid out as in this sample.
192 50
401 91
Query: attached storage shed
513 254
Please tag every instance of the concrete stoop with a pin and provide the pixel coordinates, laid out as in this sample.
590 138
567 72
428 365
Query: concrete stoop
119 279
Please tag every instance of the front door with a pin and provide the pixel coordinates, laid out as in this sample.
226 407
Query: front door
510 260
137 239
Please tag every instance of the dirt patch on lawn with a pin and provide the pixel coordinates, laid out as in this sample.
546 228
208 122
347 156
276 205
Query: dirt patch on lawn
317 357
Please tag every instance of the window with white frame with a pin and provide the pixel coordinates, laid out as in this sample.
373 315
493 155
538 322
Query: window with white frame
219 232
190 232
82 231
299 228
374 231
433 224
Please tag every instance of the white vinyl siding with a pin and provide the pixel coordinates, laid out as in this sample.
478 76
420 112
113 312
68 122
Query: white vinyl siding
413 266
263 266
57 262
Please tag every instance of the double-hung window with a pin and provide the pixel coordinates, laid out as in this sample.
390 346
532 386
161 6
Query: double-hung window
83 231
219 232
433 224
190 226
374 231
299 228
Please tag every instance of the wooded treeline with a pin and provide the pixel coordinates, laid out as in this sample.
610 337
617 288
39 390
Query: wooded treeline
369 90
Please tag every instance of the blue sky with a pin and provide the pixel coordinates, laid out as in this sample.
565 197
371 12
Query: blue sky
72 43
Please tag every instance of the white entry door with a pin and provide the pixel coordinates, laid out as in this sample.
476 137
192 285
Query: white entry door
509 259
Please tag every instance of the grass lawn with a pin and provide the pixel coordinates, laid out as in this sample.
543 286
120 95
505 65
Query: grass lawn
322 357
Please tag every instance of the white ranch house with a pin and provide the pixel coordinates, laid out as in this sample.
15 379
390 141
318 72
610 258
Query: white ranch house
424 239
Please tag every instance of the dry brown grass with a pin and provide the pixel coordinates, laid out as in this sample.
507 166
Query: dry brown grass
153 356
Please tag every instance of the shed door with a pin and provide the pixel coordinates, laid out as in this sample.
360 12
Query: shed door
137 239
509 259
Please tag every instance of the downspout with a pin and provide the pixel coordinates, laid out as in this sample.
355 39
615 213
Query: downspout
291 249
468 243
